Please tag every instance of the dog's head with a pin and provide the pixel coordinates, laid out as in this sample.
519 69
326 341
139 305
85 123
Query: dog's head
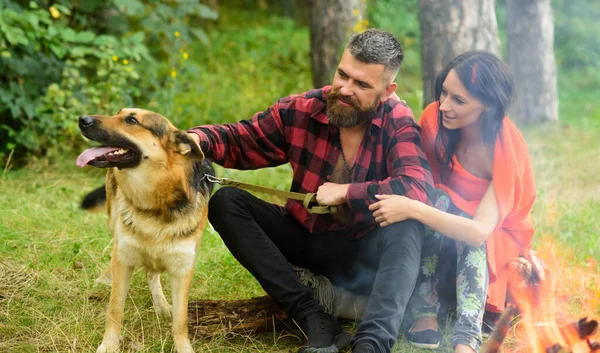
131 138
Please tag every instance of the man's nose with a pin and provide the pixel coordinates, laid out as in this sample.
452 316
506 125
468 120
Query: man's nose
345 90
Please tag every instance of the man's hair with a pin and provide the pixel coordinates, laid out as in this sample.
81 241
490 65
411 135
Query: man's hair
375 46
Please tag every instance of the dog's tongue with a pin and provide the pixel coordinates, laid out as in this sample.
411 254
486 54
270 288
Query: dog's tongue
86 156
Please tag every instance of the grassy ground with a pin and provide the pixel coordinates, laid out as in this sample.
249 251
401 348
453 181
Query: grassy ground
51 251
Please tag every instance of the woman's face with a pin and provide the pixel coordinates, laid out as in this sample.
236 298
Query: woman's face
459 108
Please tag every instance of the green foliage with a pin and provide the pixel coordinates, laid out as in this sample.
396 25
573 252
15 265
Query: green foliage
401 17
58 62
576 44
576 28
52 72
240 72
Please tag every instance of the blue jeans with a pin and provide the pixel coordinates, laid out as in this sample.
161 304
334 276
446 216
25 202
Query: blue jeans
384 264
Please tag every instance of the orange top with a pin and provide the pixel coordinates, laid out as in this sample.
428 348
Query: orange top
468 186
515 192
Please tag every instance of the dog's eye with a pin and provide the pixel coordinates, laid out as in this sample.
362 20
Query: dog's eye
131 120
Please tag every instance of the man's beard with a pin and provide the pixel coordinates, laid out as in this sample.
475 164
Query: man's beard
350 115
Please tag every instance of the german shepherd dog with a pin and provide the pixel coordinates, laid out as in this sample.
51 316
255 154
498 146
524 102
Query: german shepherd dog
157 200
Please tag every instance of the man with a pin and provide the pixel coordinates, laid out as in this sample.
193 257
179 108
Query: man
347 142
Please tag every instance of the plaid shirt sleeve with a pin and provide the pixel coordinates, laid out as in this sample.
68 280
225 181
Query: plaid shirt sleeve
408 168
248 144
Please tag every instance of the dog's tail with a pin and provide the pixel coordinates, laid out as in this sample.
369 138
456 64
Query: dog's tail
95 199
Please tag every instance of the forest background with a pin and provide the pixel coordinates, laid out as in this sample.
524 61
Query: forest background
199 63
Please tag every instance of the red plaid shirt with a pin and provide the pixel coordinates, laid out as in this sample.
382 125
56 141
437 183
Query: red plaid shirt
296 130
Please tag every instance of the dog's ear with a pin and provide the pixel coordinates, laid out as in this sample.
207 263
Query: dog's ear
184 144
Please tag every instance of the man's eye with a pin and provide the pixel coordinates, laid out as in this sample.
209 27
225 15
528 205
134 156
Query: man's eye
132 120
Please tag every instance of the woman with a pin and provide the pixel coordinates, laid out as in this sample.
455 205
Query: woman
484 179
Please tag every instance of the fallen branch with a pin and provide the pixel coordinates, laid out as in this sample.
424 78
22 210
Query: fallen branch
209 318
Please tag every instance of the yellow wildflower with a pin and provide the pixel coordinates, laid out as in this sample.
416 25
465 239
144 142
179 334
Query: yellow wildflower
177 34
185 56
128 69
173 73
54 12
115 58
361 26
125 61
355 12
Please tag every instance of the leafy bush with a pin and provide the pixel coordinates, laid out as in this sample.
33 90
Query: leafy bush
58 62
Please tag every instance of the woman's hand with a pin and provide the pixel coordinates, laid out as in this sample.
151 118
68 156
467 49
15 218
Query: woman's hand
393 208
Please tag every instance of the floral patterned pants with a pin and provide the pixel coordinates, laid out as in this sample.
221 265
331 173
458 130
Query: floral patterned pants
471 277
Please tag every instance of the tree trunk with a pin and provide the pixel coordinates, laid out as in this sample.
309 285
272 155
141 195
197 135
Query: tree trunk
331 24
531 58
450 28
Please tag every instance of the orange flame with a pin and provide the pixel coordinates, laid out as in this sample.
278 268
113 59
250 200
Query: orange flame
550 310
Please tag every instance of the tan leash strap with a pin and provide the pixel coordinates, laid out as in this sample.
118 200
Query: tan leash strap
309 200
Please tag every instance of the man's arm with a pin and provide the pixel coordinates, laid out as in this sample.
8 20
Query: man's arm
248 144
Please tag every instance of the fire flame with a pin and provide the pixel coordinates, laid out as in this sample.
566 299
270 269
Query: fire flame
556 308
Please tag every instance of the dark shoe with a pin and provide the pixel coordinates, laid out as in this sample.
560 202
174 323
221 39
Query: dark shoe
323 333
364 347
428 339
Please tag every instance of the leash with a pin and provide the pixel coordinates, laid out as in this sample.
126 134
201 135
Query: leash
309 200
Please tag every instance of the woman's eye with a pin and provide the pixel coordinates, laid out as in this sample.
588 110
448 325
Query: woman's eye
132 120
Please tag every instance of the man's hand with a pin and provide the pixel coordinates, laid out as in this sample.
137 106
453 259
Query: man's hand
393 208
331 194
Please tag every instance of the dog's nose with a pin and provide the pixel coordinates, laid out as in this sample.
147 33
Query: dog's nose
86 121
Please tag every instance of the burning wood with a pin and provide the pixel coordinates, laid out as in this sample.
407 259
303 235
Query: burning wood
572 334
532 291
500 330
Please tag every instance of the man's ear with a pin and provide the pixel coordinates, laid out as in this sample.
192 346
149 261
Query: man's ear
184 144
389 90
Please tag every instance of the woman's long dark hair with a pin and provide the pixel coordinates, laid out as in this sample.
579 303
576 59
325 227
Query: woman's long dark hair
488 79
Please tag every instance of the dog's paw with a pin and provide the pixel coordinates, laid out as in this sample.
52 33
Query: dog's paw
108 347
103 281
183 345
163 309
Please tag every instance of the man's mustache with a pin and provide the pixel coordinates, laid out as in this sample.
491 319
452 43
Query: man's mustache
345 99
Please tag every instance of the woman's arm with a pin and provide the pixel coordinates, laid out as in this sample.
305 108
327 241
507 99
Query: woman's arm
396 208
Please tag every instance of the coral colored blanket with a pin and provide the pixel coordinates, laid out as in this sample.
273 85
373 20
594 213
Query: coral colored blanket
515 191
